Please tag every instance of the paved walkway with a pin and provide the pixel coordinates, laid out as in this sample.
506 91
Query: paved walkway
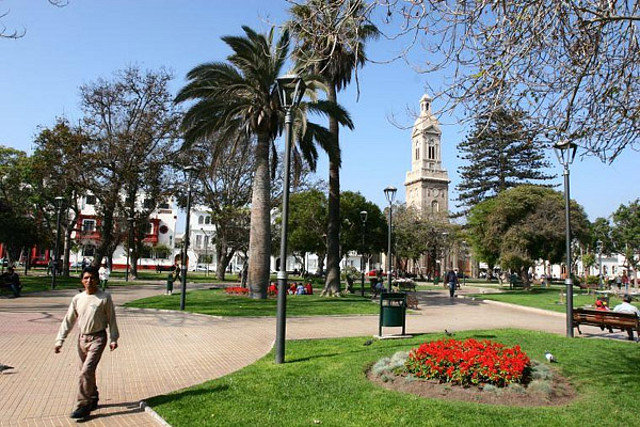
160 352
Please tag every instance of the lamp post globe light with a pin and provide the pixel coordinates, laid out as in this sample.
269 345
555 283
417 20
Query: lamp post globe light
390 194
56 255
599 249
130 220
290 89
566 152
363 219
190 172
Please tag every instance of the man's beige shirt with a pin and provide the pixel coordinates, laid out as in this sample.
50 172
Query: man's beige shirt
94 314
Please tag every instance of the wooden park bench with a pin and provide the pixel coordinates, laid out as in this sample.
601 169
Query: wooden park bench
405 286
516 282
605 319
161 268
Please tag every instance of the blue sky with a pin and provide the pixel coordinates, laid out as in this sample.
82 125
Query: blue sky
65 47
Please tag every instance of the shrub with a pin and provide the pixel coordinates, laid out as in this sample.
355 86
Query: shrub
469 362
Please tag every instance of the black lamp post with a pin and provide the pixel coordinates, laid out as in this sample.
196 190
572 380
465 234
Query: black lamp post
206 250
130 220
363 218
599 249
566 152
464 263
56 255
390 194
190 171
290 90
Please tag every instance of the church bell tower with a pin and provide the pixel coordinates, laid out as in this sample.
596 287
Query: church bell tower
427 183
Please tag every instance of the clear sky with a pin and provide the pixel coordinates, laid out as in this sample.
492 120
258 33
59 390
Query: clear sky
65 47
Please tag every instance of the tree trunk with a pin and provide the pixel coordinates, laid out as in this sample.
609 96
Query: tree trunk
332 282
260 234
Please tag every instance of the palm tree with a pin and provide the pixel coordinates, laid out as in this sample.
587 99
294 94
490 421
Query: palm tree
235 100
236 104
330 37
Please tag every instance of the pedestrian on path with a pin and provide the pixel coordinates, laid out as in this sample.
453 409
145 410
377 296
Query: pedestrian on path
104 274
452 280
95 312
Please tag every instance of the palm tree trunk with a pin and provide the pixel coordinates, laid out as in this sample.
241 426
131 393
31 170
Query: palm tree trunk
332 282
260 237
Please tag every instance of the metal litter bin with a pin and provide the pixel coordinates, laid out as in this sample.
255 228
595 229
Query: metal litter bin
170 284
393 310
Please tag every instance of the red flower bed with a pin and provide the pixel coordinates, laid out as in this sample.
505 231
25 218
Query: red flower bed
469 362
237 290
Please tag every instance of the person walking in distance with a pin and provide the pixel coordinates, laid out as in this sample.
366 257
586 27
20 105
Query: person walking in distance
94 311
452 280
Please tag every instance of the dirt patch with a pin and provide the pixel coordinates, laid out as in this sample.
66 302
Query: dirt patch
561 391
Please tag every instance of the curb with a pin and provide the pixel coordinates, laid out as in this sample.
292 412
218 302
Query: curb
516 306
161 421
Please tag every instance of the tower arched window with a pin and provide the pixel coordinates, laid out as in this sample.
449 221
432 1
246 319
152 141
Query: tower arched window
435 207
417 151
432 151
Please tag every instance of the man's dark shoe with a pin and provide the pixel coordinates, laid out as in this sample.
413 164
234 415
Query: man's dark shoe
94 403
82 412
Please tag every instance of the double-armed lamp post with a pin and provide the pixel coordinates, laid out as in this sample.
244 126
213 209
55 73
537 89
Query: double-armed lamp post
290 90
190 172
363 219
566 152
390 194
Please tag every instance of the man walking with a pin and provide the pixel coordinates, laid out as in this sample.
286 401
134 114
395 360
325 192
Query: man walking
452 280
95 312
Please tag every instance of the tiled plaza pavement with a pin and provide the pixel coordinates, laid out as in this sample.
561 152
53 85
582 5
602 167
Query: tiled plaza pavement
160 352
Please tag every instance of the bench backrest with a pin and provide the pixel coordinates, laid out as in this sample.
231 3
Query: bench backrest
581 315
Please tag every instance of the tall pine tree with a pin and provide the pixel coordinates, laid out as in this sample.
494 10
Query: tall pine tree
501 152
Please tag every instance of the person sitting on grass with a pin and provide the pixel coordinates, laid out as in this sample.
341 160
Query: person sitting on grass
272 290
308 289
300 289
627 307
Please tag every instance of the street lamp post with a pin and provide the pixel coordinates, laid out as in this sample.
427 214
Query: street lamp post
599 249
190 171
390 194
566 152
206 250
130 220
56 255
290 90
464 263
363 218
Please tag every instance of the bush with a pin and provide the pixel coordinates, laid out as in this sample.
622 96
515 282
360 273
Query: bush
469 362
236 290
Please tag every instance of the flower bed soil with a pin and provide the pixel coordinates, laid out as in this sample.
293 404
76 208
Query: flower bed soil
562 393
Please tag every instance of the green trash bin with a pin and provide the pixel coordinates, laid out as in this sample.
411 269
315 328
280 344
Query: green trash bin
393 310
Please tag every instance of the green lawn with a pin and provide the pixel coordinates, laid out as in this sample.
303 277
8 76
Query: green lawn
216 302
323 383
545 298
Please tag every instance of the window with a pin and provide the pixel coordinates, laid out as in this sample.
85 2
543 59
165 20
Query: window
432 152
88 226
201 219
149 228
148 203
417 151
90 199
435 207
207 220
206 241
164 205
146 252
88 250
199 241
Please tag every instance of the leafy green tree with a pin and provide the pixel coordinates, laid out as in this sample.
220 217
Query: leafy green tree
351 204
601 230
20 225
308 224
57 171
501 153
335 57
522 225
626 233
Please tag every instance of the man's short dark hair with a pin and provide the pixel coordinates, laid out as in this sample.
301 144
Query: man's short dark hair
93 271
626 298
